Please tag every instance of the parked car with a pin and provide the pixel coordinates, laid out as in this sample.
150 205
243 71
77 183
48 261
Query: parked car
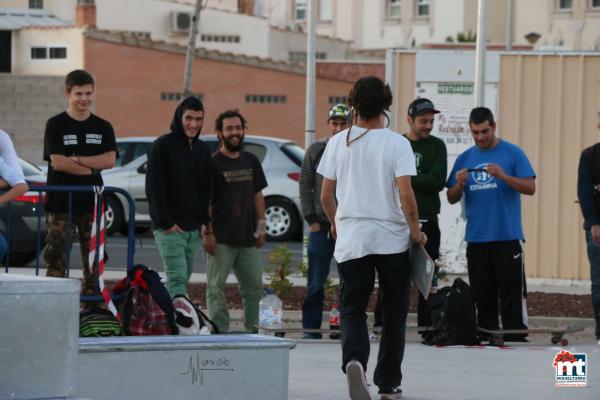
132 148
24 219
280 158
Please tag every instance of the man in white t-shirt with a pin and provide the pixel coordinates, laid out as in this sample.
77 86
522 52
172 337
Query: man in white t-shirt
8 153
368 169
12 181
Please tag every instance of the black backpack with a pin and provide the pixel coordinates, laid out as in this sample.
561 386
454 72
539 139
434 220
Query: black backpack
453 316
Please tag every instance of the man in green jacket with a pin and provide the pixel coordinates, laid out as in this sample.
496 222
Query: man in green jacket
432 164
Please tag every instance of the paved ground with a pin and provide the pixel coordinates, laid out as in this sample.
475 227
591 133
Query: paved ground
521 372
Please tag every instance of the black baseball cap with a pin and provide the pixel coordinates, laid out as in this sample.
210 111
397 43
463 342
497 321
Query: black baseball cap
420 106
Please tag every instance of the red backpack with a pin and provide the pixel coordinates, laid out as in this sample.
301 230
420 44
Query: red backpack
147 309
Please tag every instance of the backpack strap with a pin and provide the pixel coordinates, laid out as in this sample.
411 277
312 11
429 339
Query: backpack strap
138 279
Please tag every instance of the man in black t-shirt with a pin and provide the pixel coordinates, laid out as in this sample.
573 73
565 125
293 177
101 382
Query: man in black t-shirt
77 145
238 222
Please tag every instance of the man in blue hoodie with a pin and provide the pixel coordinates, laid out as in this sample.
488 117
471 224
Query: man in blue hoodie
588 192
178 187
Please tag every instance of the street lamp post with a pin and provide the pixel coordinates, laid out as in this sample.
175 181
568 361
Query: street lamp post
480 51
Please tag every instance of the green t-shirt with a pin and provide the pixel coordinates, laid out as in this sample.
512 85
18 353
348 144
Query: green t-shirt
432 165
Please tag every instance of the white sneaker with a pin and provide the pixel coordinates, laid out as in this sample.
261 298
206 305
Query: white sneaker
395 394
357 383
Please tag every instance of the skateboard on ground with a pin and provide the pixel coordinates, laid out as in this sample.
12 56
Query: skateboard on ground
280 332
376 330
497 336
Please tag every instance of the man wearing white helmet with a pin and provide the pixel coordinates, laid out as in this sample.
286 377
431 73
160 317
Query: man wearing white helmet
320 242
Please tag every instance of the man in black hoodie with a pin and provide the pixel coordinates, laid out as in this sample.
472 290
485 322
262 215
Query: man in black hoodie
588 192
178 187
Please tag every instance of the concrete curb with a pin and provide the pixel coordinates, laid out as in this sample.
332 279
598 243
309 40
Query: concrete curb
295 317
533 284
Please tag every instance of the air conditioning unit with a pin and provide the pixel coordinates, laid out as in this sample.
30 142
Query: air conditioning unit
181 22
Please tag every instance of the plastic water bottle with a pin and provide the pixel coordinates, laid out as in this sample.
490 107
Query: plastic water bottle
270 313
334 321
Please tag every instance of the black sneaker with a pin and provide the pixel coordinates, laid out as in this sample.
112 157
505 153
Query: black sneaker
357 383
390 394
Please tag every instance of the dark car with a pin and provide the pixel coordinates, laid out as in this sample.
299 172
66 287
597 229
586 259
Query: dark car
21 232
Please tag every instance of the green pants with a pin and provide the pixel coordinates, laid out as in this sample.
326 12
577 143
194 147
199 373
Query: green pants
245 262
178 251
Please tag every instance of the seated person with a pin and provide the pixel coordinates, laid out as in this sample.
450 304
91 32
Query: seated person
13 180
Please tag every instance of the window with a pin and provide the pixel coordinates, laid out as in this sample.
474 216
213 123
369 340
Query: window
333 100
140 149
58 52
123 154
422 7
299 57
36 4
394 8
39 53
53 53
266 98
565 4
300 10
220 38
294 152
29 169
176 96
258 150
325 10
595 3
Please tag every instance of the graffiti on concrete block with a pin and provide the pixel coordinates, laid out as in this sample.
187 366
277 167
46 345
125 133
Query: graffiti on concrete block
198 368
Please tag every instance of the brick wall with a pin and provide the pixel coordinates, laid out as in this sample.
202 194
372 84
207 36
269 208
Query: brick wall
131 78
349 72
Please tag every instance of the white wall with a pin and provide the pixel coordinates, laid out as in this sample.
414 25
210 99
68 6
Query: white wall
282 42
446 18
277 12
136 15
64 9
578 29
14 4
23 40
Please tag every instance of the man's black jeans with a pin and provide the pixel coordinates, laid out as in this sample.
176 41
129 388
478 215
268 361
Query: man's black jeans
358 277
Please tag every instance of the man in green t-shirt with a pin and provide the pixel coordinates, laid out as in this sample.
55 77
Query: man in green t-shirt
432 163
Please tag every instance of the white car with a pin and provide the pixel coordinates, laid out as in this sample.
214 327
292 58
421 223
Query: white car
281 160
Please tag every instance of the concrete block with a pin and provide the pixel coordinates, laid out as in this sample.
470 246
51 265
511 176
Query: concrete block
39 337
185 367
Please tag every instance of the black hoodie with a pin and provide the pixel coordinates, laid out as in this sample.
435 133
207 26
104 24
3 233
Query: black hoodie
178 177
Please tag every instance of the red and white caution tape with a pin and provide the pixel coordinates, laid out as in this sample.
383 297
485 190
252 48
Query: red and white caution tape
98 246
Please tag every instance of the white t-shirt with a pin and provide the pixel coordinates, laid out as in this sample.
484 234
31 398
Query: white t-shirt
9 155
369 219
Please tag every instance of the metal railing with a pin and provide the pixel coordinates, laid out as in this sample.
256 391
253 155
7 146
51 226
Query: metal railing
70 190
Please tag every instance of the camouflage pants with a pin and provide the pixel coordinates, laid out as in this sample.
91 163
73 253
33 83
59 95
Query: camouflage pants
55 253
